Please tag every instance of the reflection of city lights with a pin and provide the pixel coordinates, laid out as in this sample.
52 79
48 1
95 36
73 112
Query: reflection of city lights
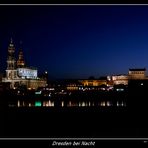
83 103
103 103
23 103
89 104
18 103
69 103
38 103
62 103
79 103
108 103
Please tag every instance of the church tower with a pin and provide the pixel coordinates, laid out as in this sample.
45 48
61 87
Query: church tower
20 61
11 72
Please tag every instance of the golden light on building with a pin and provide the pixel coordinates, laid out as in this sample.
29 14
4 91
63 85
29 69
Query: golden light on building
17 74
72 87
137 73
93 82
20 61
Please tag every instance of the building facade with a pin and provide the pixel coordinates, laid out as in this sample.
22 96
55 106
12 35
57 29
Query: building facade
137 73
18 74
93 82
120 79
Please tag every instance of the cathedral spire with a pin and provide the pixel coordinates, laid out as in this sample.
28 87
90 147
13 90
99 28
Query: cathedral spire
11 41
20 61
11 57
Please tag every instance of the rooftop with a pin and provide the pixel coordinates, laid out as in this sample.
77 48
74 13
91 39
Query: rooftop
137 69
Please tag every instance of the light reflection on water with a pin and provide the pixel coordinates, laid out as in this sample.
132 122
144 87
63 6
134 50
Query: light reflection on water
49 103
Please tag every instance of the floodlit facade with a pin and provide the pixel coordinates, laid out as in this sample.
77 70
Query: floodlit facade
120 79
133 74
93 82
137 73
72 87
18 74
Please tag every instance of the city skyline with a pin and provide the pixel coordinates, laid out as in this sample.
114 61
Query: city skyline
77 41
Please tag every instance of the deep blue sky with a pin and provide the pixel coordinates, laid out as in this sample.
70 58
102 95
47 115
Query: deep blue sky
77 41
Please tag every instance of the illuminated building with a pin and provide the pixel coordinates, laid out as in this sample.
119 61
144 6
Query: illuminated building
20 61
93 82
137 73
11 72
72 87
29 73
120 79
134 74
17 74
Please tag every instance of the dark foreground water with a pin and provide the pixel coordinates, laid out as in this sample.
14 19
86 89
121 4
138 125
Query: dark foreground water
73 122
129 121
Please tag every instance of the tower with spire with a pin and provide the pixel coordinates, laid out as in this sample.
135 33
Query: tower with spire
18 74
11 72
20 61
11 63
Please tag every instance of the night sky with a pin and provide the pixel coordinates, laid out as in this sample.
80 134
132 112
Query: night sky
77 41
